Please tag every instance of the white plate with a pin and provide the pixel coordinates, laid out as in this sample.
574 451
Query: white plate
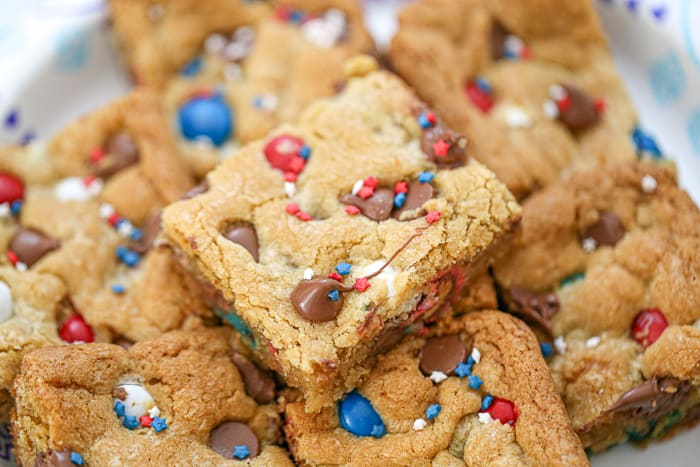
56 62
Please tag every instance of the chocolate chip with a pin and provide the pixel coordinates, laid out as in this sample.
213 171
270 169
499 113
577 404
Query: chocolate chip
455 146
498 40
607 231
53 458
310 299
534 308
119 393
377 207
258 384
226 436
30 245
388 339
203 187
418 193
149 233
581 111
443 354
652 398
245 236
121 153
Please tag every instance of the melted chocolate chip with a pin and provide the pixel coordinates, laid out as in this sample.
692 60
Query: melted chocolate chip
498 40
203 187
150 232
310 299
607 231
121 153
53 458
30 245
245 236
418 193
388 339
258 384
230 434
456 153
377 207
443 354
581 112
537 309
652 398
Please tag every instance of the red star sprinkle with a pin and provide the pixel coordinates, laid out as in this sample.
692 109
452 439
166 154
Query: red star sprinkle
371 182
292 208
352 210
336 276
97 154
361 284
430 116
302 216
401 187
113 219
432 217
145 420
599 105
365 192
440 148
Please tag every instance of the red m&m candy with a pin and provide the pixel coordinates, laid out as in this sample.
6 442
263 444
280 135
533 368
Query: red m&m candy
75 329
11 188
648 326
504 411
282 152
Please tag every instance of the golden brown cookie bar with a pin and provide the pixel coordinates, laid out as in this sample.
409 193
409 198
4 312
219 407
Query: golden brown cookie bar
29 306
323 239
606 264
538 99
185 398
479 394
89 217
232 71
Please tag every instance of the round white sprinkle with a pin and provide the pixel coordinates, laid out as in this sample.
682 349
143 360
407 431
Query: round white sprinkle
419 424
357 186
215 43
589 244
516 117
20 266
557 92
290 188
106 210
334 16
560 344
125 229
5 210
648 184
154 412
138 400
550 109
244 34
476 355
308 274
5 302
514 44
437 377
485 417
74 189
236 51
155 12
322 33
592 342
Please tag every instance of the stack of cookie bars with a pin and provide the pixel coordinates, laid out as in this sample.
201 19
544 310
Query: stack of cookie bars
275 251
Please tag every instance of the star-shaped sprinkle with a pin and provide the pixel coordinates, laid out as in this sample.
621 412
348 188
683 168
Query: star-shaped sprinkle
130 422
546 349
352 210
432 217
334 295
463 369
432 411
241 452
440 148
159 424
399 200
401 187
361 284
486 401
145 420
438 377
426 177
305 152
335 276
76 458
343 268
365 192
119 409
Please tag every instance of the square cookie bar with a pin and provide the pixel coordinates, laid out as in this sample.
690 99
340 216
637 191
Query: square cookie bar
231 71
606 264
29 306
184 398
89 217
538 98
323 240
477 394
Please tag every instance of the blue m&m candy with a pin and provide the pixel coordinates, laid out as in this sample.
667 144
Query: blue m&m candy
207 117
359 417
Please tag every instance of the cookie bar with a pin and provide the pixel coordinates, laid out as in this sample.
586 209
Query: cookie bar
90 215
605 267
29 306
480 394
232 71
538 99
322 240
185 398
